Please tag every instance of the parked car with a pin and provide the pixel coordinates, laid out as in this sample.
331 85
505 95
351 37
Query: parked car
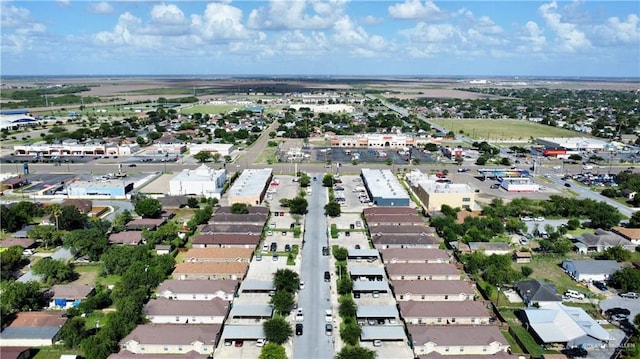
618 317
328 329
299 315
600 285
377 343
287 248
299 327
133 165
578 352
239 343
301 285
567 184
261 342
631 295
327 276
274 257
494 186
617 311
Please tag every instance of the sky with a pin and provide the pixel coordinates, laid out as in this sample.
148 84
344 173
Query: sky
568 39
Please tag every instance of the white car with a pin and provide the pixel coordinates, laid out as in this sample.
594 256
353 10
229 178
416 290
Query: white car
539 219
299 315
272 225
261 342
301 284
269 233
328 316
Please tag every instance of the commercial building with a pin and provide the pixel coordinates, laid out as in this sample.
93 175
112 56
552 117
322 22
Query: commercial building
74 148
433 192
250 187
519 184
573 143
384 188
203 181
224 149
382 141
105 189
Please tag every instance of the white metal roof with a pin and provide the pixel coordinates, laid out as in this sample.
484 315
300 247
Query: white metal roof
248 332
383 184
257 310
377 311
370 285
555 322
383 332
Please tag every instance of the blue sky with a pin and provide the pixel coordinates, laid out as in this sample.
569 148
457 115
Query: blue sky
321 37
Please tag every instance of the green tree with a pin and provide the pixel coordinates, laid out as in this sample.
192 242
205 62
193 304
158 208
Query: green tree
304 180
286 280
347 306
617 253
192 202
574 223
98 347
634 221
603 215
148 207
216 157
70 218
332 209
526 271
626 279
356 352
505 161
18 296
277 330
481 161
87 242
272 351
202 156
121 221
340 253
9 259
298 205
327 180
54 270
350 332
73 332
344 285
282 301
239 208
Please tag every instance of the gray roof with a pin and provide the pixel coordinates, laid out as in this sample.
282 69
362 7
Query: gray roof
366 271
258 310
383 332
537 291
603 238
383 183
173 334
29 332
555 322
377 311
474 246
363 252
70 291
247 332
198 286
257 285
592 266
250 183
163 306
124 354
370 285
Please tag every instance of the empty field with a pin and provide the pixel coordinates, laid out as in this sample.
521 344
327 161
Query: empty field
502 130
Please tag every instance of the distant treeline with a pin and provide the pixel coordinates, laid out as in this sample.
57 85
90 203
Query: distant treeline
42 97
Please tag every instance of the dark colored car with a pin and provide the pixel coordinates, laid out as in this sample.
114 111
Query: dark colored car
617 311
325 251
299 329
567 184
287 248
600 285
327 276
576 352
274 247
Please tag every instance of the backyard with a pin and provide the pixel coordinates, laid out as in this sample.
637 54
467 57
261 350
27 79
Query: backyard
547 268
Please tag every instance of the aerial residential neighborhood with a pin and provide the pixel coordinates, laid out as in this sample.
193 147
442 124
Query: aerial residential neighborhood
287 222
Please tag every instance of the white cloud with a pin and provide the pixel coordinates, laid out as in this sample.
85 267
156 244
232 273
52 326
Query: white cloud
356 38
568 36
63 3
220 22
20 31
299 14
13 16
371 20
532 39
430 33
616 32
416 10
100 8
167 20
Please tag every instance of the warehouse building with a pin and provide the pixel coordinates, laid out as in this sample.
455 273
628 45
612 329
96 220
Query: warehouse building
384 188
203 181
104 189
224 149
250 186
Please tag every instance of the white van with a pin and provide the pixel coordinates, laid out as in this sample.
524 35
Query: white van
574 294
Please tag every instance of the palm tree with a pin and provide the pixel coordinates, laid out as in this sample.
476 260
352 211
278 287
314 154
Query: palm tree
56 212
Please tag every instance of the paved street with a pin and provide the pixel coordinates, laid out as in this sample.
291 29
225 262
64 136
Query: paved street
315 297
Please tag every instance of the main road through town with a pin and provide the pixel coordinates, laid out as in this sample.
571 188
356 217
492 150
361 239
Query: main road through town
315 297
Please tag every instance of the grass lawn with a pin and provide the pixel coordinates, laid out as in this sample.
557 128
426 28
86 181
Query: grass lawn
487 129
109 280
267 155
54 352
547 268
94 320
88 275
185 214
513 344
219 109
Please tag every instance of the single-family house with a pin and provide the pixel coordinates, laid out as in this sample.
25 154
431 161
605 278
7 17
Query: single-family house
631 234
468 312
414 255
166 311
590 270
145 223
16 352
217 254
522 257
601 240
132 238
197 289
64 296
25 243
489 248
224 240
172 339
433 290
554 322
210 270
32 329
457 340
254 229
423 271
162 249
535 291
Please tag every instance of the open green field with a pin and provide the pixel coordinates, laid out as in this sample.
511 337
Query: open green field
501 130
217 109
547 268
54 352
